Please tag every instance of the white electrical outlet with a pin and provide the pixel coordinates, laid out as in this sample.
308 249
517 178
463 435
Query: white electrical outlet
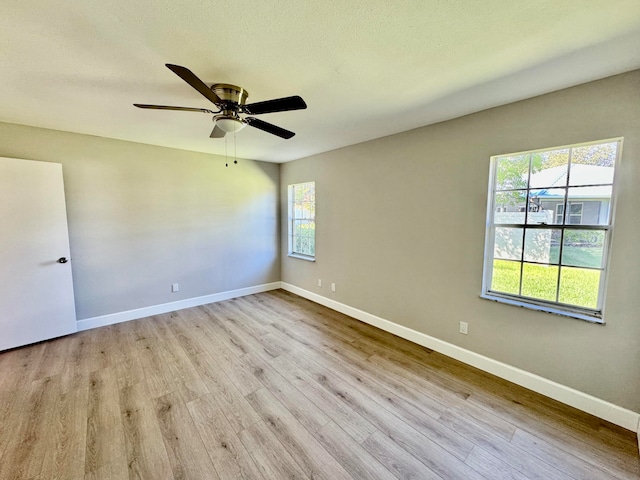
319 282
175 287
464 328
333 287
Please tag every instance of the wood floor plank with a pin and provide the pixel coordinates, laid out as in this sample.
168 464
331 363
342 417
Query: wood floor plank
105 435
65 455
11 415
186 326
427 450
114 470
228 454
396 459
235 313
314 460
18 364
422 419
585 448
304 410
352 456
418 377
75 373
150 355
548 415
558 458
25 449
237 370
252 337
423 401
493 467
188 456
146 453
350 421
179 372
125 358
361 329
235 343
519 459
227 396
269 455
52 360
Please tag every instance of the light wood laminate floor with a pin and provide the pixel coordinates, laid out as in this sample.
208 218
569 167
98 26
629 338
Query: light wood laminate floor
272 386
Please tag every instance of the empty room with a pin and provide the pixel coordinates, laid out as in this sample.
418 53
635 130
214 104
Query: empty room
319 240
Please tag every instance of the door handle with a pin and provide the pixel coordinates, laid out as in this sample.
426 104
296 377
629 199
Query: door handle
63 260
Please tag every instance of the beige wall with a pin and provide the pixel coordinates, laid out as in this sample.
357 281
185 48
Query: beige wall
144 217
401 225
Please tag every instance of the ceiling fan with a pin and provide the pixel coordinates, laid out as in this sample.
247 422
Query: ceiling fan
230 100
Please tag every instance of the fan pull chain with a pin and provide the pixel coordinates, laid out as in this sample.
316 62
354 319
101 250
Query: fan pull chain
226 160
235 150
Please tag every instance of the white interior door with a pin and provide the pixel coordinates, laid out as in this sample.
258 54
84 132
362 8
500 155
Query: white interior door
36 290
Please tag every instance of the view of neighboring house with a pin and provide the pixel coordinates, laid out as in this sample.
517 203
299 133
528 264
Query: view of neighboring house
588 197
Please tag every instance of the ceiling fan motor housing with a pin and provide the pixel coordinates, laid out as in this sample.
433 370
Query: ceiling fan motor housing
230 94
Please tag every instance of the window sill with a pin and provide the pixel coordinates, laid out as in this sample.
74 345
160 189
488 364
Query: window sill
302 257
595 318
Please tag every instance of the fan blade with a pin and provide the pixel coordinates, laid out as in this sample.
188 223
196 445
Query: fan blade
276 105
269 127
189 77
167 107
217 132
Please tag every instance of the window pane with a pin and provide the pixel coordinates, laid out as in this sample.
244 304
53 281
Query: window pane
508 243
305 246
579 286
512 172
510 207
593 164
304 192
583 248
549 169
539 281
506 277
542 245
596 205
548 203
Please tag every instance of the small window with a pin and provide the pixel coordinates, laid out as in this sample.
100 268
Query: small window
552 257
559 212
302 220
575 213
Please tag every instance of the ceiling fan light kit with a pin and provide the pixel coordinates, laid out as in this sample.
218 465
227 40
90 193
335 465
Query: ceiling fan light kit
231 102
228 124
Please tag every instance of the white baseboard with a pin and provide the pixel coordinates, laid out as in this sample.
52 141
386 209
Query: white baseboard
580 400
103 320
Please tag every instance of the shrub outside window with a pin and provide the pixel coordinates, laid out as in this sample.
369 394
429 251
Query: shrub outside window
549 226
302 223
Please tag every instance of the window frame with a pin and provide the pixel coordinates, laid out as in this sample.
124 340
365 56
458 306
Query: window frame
291 219
558 308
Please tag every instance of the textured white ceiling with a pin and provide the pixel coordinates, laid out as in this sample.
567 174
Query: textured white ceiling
366 68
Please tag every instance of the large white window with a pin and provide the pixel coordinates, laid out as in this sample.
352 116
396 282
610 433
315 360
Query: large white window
549 225
302 220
